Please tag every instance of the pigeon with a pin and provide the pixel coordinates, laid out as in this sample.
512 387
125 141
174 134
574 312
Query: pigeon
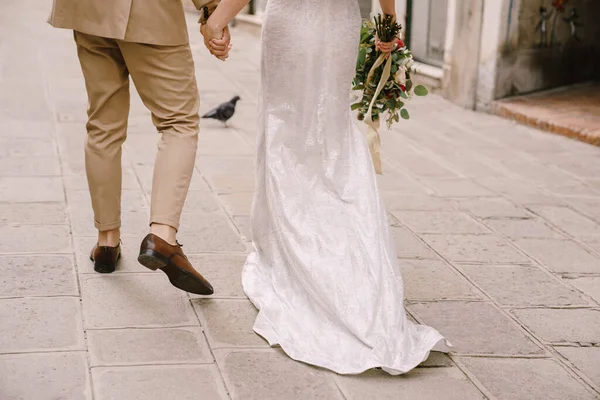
223 112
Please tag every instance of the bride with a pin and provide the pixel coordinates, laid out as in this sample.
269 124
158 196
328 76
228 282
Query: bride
323 271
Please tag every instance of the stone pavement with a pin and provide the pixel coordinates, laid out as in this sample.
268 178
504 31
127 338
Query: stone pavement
573 111
497 229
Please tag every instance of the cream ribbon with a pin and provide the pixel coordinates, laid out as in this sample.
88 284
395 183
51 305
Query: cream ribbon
373 139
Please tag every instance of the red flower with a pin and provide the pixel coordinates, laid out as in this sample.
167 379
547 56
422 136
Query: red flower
560 5
403 87
399 43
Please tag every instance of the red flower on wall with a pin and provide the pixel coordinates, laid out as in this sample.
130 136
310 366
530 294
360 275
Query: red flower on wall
560 5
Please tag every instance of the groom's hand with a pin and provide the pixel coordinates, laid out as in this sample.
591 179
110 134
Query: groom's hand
217 42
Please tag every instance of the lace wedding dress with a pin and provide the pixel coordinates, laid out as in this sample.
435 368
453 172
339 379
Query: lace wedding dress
323 272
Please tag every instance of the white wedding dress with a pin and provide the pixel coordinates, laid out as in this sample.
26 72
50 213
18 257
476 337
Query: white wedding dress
323 272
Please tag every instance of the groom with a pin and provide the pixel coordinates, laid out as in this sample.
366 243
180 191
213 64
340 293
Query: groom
148 41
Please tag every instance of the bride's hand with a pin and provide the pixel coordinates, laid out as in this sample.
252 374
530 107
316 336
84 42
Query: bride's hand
385 47
218 43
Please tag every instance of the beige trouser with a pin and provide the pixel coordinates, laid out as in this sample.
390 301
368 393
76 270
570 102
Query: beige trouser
164 78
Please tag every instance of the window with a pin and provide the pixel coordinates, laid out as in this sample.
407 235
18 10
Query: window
426 30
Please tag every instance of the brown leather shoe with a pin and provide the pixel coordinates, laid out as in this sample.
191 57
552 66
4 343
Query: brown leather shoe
105 258
155 253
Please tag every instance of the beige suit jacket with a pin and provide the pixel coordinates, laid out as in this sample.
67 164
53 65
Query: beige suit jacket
159 22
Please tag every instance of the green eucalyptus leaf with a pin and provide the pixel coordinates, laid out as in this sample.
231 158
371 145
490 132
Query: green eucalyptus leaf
404 113
421 90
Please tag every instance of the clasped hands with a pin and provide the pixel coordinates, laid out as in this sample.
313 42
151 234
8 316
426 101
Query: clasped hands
218 42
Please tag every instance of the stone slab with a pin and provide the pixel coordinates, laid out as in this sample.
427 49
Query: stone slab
589 285
33 213
134 300
475 328
408 245
475 248
515 285
483 207
585 359
245 373
35 239
439 222
523 228
159 383
434 280
61 375
209 232
228 323
224 272
421 383
560 256
117 347
531 379
37 276
562 325
31 189
41 324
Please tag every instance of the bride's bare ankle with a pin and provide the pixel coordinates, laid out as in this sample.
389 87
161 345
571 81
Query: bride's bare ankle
165 232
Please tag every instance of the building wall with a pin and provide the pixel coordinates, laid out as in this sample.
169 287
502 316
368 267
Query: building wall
528 62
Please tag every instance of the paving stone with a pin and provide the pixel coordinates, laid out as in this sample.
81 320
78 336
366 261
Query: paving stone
475 248
134 300
242 222
224 272
201 201
130 249
421 383
237 203
117 347
130 199
209 232
523 228
458 188
423 166
484 207
35 239
37 276
245 371
475 328
158 383
515 285
210 165
589 285
133 222
398 182
31 189
222 142
409 246
521 378
560 256
570 221
232 183
439 222
60 375
27 148
395 201
434 280
33 213
228 323
34 324
562 325
38 166
585 359
519 192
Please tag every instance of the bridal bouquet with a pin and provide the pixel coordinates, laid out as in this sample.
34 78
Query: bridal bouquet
384 80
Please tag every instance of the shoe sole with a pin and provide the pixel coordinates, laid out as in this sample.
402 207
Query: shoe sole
105 268
178 277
